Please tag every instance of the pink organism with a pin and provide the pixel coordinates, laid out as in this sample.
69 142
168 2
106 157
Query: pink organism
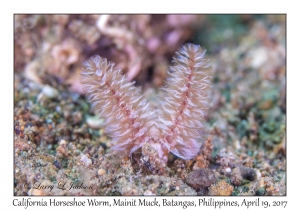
175 126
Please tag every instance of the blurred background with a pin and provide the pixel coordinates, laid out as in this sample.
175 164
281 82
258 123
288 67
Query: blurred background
141 45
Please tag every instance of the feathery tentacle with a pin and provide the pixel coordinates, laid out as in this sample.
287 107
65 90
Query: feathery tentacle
184 102
127 115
